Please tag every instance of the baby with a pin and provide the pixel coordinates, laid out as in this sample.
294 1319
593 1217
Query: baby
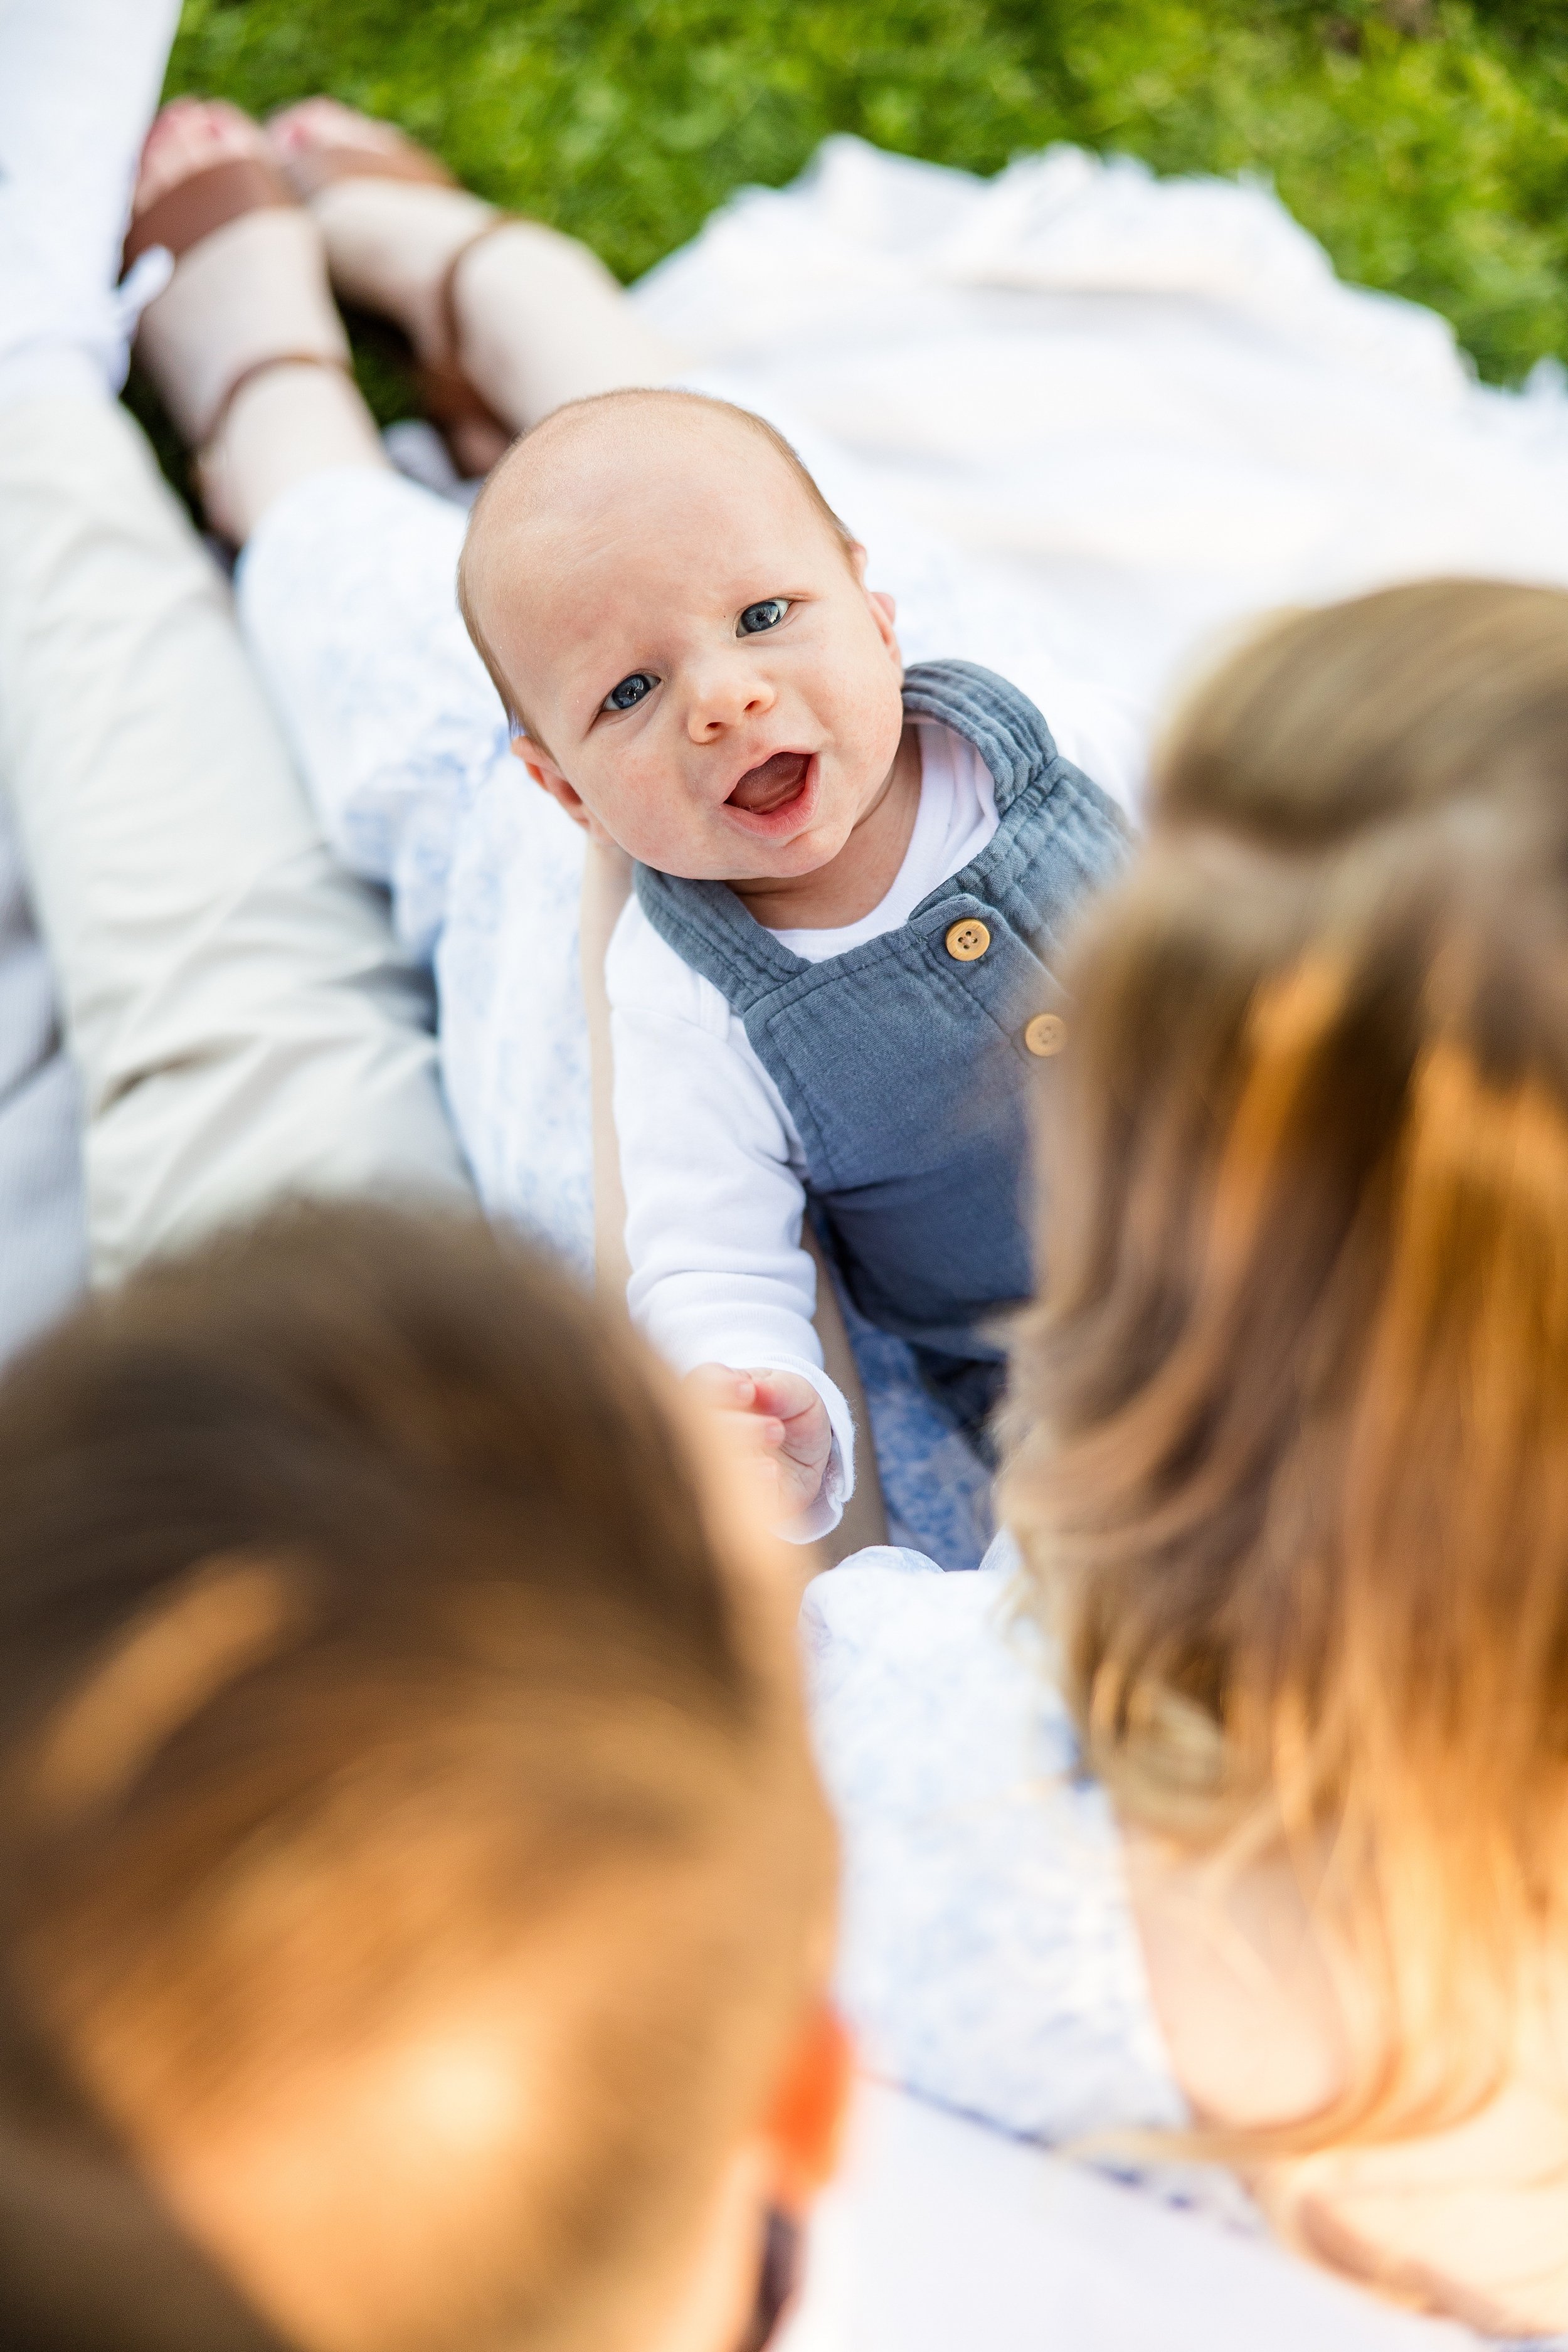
829 989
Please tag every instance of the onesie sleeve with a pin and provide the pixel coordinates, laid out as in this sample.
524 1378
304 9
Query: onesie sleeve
715 1203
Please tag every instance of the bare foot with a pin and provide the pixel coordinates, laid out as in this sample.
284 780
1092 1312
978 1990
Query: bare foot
254 291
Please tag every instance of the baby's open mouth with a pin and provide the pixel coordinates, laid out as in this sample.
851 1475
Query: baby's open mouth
774 786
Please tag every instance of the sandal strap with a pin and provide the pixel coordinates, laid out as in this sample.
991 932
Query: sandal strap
312 169
248 375
207 201
446 394
449 401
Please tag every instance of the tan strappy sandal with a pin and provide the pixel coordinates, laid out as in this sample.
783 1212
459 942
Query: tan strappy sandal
449 398
181 219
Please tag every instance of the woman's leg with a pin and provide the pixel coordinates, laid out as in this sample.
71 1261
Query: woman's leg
253 290
239 1018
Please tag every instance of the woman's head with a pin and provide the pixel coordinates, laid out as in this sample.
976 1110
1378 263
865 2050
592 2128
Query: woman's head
415 1861
1293 1478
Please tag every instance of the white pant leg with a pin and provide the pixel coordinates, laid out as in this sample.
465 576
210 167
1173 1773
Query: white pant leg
239 1020
347 598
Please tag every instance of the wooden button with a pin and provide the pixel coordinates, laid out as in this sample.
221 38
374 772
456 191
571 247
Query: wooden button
967 941
1046 1033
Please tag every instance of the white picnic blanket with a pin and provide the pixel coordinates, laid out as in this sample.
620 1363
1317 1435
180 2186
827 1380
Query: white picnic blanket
939 2235
1148 405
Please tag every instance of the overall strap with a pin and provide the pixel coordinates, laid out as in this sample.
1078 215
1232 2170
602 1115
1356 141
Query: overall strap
710 930
1005 727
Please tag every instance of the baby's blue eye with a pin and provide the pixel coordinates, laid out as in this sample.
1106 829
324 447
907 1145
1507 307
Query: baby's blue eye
630 691
765 615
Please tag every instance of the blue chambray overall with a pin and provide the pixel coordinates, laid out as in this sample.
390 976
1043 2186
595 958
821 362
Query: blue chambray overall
903 1062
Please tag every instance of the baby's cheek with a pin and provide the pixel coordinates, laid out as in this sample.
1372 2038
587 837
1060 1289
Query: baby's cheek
871 685
659 827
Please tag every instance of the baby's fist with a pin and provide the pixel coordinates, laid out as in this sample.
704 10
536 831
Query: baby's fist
782 1421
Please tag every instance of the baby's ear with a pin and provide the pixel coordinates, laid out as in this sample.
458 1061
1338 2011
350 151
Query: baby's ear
881 603
883 611
548 778
524 748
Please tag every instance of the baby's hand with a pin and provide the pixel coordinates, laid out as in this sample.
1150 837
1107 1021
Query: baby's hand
780 1417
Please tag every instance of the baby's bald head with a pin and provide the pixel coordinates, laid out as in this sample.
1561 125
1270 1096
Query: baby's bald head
679 626
538 509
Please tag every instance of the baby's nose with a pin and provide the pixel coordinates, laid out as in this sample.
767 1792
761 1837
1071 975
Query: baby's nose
723 697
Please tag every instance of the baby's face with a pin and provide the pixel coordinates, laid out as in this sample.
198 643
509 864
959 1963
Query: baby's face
707 683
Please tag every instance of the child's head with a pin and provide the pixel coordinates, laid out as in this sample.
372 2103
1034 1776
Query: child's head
1293 1477
679 626
411 1846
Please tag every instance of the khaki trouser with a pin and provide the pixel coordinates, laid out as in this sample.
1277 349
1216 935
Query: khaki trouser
240 1021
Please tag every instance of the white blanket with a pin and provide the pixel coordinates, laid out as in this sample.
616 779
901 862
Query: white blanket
1148 405
941 2236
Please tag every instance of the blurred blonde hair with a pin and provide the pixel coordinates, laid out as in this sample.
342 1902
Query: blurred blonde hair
1291 1415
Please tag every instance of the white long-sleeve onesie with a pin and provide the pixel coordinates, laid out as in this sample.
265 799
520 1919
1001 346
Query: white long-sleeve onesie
713 1165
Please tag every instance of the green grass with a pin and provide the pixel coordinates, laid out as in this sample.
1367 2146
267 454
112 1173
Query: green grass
1424 142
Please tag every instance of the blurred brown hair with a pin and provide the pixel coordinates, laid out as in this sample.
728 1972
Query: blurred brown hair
363 1632
1292 1415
